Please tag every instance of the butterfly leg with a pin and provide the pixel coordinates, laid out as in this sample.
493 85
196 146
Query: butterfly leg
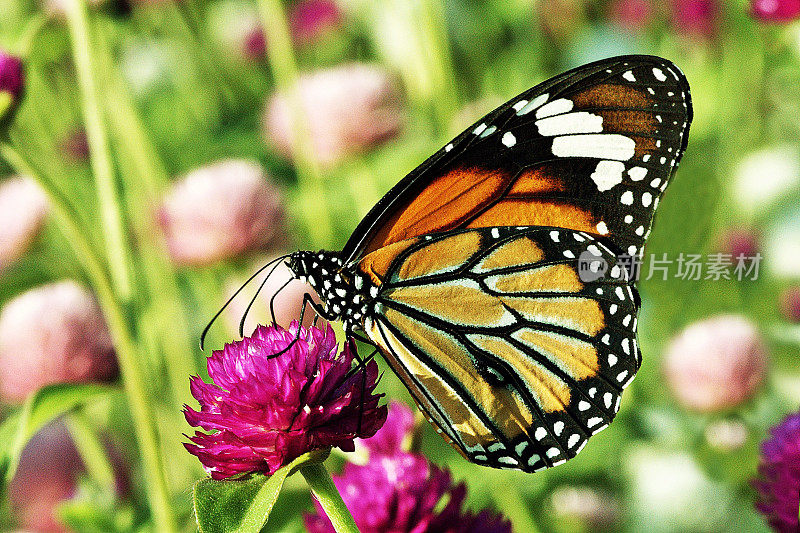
362 367
307 301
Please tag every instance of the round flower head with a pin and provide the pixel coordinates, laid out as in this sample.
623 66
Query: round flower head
12 83
312 18
401 492
219 211
779 475
790 303
716 364
264 410
349 109
23 209
696 17
775 10
53 334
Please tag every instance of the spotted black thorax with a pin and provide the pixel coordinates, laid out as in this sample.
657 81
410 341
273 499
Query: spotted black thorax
345 293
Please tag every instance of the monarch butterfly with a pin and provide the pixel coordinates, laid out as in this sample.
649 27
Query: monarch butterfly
467 275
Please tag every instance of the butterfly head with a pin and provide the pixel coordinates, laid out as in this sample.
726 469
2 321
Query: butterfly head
345 294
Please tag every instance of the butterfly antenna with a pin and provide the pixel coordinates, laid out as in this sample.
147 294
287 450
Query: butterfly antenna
272 301
253 299
234 295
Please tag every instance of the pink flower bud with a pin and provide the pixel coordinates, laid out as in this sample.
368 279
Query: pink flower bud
696 17
715 364
633 15
790 304
775 10
23 207
48 473
220 211
348 109
310 19
12 83
52 334
739 242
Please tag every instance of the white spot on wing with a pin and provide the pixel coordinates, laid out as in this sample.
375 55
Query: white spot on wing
602 229
565 124
478 130
647 199
637 173
508 139
519 105
533 104
629 76
607 174
659 74
627 198
601 146
556 107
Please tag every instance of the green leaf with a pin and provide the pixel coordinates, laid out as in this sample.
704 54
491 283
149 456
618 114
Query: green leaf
242 505
41 407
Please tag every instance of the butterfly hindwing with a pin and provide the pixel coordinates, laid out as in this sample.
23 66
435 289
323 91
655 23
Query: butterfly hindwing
516 355
590 150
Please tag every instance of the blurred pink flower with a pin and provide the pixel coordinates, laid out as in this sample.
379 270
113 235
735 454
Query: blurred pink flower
633 15
12 84
52 334
790 303
220 211
696 17
310 19
265 410
23 208
595 508
47 474
348 108
75 145
716 363
778 479
726 435
775 10
739 242
390 439
255 44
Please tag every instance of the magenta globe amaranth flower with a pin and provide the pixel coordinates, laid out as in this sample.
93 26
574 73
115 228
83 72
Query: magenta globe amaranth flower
401 492
264 410
775 10
12 83
779 476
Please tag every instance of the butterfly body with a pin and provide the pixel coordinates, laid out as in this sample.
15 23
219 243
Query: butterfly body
496 277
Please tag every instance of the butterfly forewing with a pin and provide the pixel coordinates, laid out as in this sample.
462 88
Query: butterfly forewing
517 342
590 150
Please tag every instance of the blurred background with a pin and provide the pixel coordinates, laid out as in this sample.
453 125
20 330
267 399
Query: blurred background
164 130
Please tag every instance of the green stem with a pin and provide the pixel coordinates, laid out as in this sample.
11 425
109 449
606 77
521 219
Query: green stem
102 167
91 450
124 345
433 28
325 491
284 68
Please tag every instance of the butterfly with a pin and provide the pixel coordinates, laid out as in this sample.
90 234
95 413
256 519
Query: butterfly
496 278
